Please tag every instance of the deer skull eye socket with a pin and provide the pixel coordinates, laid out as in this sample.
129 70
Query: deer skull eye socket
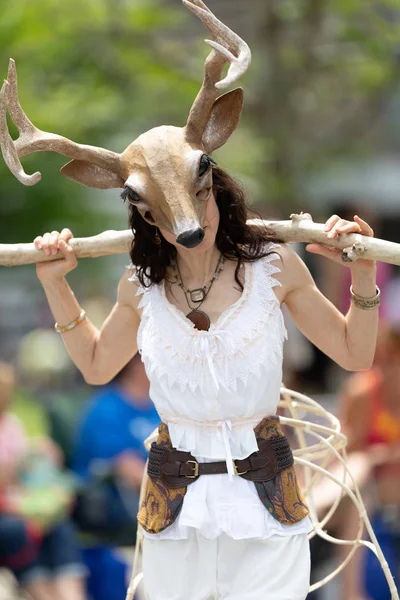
205 163
130 195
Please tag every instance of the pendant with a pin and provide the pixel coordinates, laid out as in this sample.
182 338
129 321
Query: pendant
200 319
197 295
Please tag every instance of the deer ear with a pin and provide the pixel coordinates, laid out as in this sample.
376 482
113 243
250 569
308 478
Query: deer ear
88 174
223 120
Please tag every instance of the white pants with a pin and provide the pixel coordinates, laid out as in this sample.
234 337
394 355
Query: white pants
277 568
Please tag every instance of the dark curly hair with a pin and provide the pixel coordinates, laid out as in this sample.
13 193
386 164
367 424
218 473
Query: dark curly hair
235 239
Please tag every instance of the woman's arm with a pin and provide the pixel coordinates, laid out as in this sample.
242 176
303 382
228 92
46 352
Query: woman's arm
99 355
349 340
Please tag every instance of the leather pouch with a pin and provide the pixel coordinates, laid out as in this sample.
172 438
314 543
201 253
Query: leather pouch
161 504
281 494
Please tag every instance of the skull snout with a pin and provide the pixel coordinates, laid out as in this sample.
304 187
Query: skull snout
191 238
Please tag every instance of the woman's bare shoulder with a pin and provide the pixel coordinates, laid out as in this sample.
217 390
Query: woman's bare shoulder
292 272
286 260
128 288
285 251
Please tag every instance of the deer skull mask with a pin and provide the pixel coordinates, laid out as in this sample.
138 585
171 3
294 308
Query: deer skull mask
166 172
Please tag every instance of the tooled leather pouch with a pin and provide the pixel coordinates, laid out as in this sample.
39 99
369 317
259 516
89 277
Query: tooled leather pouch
161 504
280 495
279 492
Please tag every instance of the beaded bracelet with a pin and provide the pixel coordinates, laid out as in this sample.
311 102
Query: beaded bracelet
366 303
71 325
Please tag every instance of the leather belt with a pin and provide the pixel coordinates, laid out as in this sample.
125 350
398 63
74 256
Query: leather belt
177 468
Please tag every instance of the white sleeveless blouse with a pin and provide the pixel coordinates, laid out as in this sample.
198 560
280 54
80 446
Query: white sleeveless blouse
212 388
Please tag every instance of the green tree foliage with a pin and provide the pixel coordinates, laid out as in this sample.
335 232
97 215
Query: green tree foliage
104 71
95 72
325 71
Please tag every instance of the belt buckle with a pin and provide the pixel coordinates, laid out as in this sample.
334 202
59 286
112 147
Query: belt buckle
236 470
196 469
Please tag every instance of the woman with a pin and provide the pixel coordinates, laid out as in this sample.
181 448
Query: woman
214 387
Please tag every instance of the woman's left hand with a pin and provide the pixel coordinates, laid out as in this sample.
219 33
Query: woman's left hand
336 226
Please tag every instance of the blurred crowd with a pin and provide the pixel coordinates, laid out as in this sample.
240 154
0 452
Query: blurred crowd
69 495
69 498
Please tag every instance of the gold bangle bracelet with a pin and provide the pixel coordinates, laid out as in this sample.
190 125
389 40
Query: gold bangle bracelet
366 303
65 328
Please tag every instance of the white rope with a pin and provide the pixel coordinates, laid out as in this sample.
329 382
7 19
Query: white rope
330 443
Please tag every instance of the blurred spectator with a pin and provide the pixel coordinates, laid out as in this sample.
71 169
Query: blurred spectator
390 302
36 540
369 410
370 414
110 458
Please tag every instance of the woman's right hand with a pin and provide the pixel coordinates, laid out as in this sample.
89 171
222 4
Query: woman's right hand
50 244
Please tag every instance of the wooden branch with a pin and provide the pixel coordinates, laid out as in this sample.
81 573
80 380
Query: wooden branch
300 228
108 242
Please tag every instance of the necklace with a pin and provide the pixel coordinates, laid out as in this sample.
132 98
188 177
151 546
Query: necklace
197 296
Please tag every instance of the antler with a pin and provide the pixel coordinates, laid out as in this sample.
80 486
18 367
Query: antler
32 139
227 47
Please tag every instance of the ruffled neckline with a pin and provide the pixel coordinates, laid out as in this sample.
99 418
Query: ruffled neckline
224 316
245 340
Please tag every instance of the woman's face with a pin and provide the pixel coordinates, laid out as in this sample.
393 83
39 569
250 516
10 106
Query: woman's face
210 226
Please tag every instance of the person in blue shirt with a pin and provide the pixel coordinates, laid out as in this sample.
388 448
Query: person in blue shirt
109 458
119 418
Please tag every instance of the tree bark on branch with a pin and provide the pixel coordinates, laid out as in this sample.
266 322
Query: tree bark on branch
300 228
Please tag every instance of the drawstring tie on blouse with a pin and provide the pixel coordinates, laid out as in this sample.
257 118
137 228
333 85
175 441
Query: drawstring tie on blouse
206 348
226 428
